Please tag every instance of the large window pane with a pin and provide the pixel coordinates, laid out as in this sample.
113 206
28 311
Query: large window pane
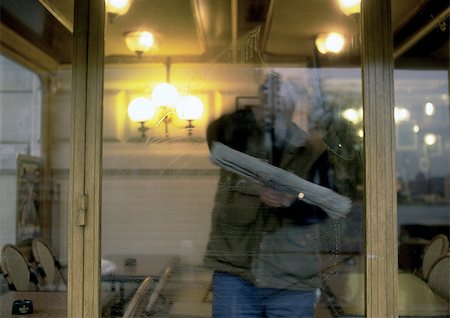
422 123
35 97
167 206
34 192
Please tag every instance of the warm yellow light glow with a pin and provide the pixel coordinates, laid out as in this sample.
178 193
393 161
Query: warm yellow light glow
117 6
429 109
141 109
330 42
189 108
349 7
416 128
401 114
139 41
352 115
165 94
361 133
430 139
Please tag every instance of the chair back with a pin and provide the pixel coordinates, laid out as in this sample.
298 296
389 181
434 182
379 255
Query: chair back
439 277
150 307
136 301
436 248
48 267
16 270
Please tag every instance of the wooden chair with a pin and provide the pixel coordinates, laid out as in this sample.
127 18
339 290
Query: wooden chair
16 270
439 277
137 299
156 294
434 249
48 267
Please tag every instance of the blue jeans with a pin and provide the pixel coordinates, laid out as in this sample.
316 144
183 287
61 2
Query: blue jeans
235 297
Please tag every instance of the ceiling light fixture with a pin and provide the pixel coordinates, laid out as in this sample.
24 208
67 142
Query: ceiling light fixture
349 7
117 7
139 42
330 42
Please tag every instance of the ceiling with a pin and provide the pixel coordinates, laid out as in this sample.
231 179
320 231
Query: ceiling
231 30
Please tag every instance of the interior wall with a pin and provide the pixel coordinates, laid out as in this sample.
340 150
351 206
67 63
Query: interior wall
157 194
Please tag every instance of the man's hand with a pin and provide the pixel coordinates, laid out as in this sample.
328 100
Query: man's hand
276 199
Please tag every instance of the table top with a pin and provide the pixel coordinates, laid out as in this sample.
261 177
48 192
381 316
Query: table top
139 266
415 298
46 304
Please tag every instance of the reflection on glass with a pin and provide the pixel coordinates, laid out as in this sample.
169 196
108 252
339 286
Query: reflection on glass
33 193
423 179
169 212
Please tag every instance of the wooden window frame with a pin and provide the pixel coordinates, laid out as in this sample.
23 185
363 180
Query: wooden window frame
86 160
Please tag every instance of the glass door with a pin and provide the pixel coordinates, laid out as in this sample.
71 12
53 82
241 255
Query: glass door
232 152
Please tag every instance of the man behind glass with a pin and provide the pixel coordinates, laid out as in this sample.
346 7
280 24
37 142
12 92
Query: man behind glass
264 244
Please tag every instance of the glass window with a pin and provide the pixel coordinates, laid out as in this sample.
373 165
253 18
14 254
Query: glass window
286 211
422 123
33 226
35 99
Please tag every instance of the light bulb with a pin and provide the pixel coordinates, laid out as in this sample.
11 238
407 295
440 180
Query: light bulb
141 109
118 6
139 41
401 114
189 108
349 7
165 94
429 109
430 139
330 42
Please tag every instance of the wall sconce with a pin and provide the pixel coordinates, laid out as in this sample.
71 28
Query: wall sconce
189 108
166 97
349 7
330 42
140 110
139 42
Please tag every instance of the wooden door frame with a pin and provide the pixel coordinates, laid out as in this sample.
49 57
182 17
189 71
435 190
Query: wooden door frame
379 157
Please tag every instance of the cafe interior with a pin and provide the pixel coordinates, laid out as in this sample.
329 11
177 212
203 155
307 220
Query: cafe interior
107 185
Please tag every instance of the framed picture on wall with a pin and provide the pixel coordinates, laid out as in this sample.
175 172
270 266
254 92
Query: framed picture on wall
29 199
243 102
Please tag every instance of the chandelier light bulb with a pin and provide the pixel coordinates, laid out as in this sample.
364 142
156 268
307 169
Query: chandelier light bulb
189 108
141 109
165 94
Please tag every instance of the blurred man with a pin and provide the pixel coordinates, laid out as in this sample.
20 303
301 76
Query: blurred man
264 244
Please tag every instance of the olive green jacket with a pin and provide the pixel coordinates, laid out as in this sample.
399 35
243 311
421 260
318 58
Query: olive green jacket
263 245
